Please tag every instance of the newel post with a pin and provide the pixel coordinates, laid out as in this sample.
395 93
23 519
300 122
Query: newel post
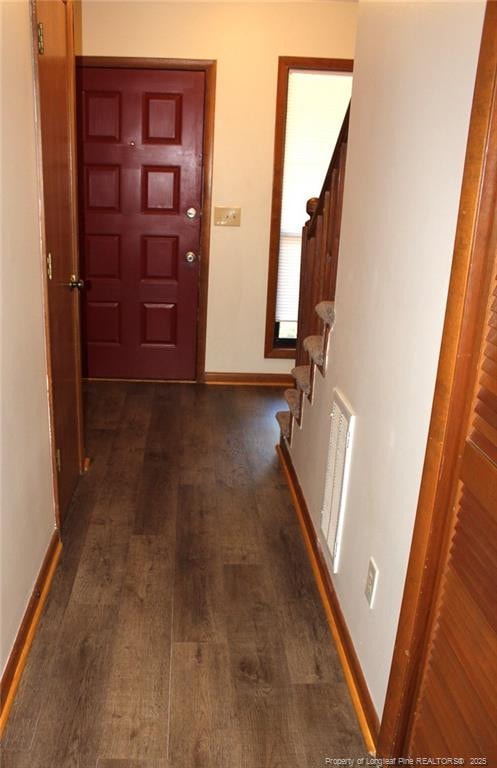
306 272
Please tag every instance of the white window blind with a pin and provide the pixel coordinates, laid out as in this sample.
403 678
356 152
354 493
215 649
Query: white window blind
316 106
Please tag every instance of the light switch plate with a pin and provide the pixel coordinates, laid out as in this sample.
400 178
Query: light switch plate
227 217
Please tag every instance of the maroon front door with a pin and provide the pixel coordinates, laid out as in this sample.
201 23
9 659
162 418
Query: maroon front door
140 138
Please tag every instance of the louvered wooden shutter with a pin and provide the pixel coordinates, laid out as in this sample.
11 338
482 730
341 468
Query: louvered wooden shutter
456 711
484 432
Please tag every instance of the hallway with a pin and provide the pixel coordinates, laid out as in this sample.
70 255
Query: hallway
184 628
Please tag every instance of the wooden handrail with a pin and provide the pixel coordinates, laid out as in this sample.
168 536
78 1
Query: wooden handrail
320 241
334 163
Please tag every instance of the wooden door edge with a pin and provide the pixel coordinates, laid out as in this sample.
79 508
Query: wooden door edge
209 67
43 254
73 163
447 423
205 224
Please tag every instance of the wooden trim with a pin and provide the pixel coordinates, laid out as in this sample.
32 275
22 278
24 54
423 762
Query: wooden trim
251 379
448 419
209 67
285 64
236 379
209 114
140 381
25 635
279 353
143 62
359 693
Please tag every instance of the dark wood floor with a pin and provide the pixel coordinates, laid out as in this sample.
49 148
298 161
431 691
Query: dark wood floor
183 628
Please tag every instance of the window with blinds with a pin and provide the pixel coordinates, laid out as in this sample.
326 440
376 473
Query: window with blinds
316 105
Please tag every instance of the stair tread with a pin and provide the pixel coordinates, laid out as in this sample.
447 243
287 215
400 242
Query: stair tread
283 419
314 346
292 396
326 311
302 376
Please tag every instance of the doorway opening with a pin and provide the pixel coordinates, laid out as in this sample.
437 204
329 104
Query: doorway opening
313 97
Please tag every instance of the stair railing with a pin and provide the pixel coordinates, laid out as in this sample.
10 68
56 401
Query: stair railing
320 241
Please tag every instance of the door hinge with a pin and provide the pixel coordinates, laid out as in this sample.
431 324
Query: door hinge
41 39
49 266
58 459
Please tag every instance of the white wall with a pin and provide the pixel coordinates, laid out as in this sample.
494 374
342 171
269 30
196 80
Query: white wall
27 507
246 39
413 82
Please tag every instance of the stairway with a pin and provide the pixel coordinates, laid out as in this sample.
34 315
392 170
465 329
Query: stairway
316 348
318 274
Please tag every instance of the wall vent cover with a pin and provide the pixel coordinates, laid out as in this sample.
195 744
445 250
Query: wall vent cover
337 475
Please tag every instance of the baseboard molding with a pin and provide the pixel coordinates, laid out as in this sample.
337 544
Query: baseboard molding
361 698
139 381
24 639
235 379
251 379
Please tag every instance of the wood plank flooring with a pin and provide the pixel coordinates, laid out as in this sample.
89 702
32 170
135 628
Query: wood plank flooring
183 629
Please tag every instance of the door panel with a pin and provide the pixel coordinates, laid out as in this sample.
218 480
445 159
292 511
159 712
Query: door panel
141 135
456 708
56 89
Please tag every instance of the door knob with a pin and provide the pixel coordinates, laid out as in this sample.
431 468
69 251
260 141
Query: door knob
75 282
191 213
190 257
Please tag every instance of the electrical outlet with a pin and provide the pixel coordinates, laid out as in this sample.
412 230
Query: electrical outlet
371 582
227 217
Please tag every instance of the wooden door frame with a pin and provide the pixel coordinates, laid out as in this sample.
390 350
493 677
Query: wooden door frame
475 237
285 64
74 243
196 65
